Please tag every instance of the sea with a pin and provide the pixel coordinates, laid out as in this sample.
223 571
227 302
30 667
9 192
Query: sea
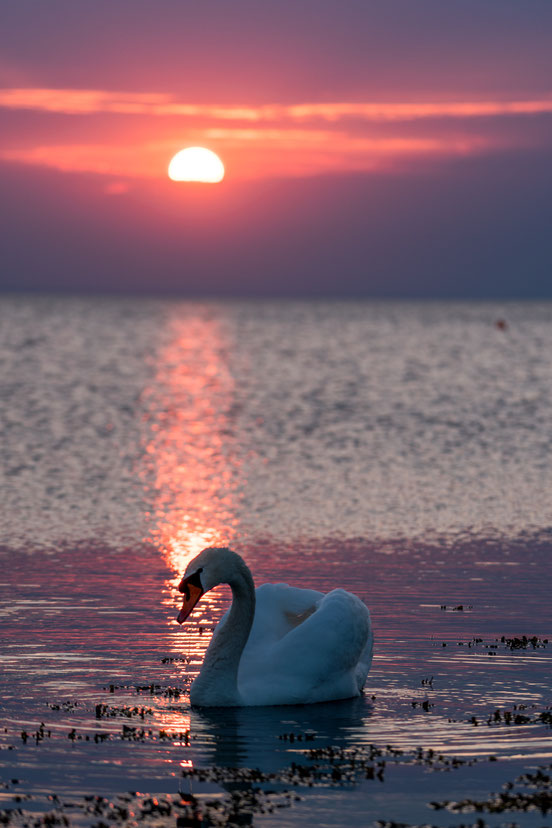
400 450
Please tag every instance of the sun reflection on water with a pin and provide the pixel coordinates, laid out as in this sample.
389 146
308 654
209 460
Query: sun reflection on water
190 455
190 449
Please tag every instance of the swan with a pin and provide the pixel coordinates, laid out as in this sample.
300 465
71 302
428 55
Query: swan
277 644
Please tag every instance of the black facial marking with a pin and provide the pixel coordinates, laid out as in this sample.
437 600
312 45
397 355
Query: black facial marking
192 579
195 580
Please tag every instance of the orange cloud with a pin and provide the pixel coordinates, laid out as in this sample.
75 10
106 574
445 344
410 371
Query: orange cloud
417 111
102 159
257 142
251 153
95 101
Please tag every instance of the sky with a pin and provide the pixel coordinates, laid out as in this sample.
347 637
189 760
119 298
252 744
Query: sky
387 149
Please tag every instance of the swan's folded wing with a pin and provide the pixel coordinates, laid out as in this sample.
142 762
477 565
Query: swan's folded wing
279 608
316 660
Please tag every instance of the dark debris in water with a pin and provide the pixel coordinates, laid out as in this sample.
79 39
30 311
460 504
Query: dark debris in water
428 758
249 792
157 690
128 733
425 704
38 736
148 689
528 792
104 711
132 809
458 608
152 689
324 773
65 705
524 642
307 736
330 766
520 714
182 737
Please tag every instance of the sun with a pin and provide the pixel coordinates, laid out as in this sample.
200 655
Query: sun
196 164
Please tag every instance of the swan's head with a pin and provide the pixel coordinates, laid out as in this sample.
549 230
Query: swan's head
213 566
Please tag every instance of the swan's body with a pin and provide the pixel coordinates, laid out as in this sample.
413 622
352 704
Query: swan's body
277 644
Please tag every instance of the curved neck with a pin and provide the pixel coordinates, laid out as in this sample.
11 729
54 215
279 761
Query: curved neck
217 684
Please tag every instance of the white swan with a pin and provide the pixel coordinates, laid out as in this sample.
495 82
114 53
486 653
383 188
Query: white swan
276 644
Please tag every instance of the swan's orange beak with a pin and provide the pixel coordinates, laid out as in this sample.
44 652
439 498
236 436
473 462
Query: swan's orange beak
192 590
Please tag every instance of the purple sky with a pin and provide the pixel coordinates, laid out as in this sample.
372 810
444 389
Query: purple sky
374 149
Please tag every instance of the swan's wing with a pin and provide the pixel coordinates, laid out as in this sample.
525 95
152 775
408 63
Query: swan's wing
279 608
316 660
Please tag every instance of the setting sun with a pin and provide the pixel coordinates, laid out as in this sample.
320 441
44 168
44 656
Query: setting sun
196 164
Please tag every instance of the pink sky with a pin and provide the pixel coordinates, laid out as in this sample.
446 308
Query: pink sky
394 111
136 134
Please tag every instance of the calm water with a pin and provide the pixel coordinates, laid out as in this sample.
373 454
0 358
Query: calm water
400 451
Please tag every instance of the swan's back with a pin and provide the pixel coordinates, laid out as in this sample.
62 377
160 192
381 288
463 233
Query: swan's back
305 646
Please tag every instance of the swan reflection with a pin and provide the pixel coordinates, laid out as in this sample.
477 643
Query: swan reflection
249 737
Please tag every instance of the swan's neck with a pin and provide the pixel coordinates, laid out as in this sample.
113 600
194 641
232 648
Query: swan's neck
217 684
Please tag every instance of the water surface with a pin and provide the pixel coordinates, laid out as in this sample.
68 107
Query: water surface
399 451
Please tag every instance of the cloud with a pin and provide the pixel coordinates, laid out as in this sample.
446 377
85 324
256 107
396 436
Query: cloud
96 101
251 153
266 141
417 111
